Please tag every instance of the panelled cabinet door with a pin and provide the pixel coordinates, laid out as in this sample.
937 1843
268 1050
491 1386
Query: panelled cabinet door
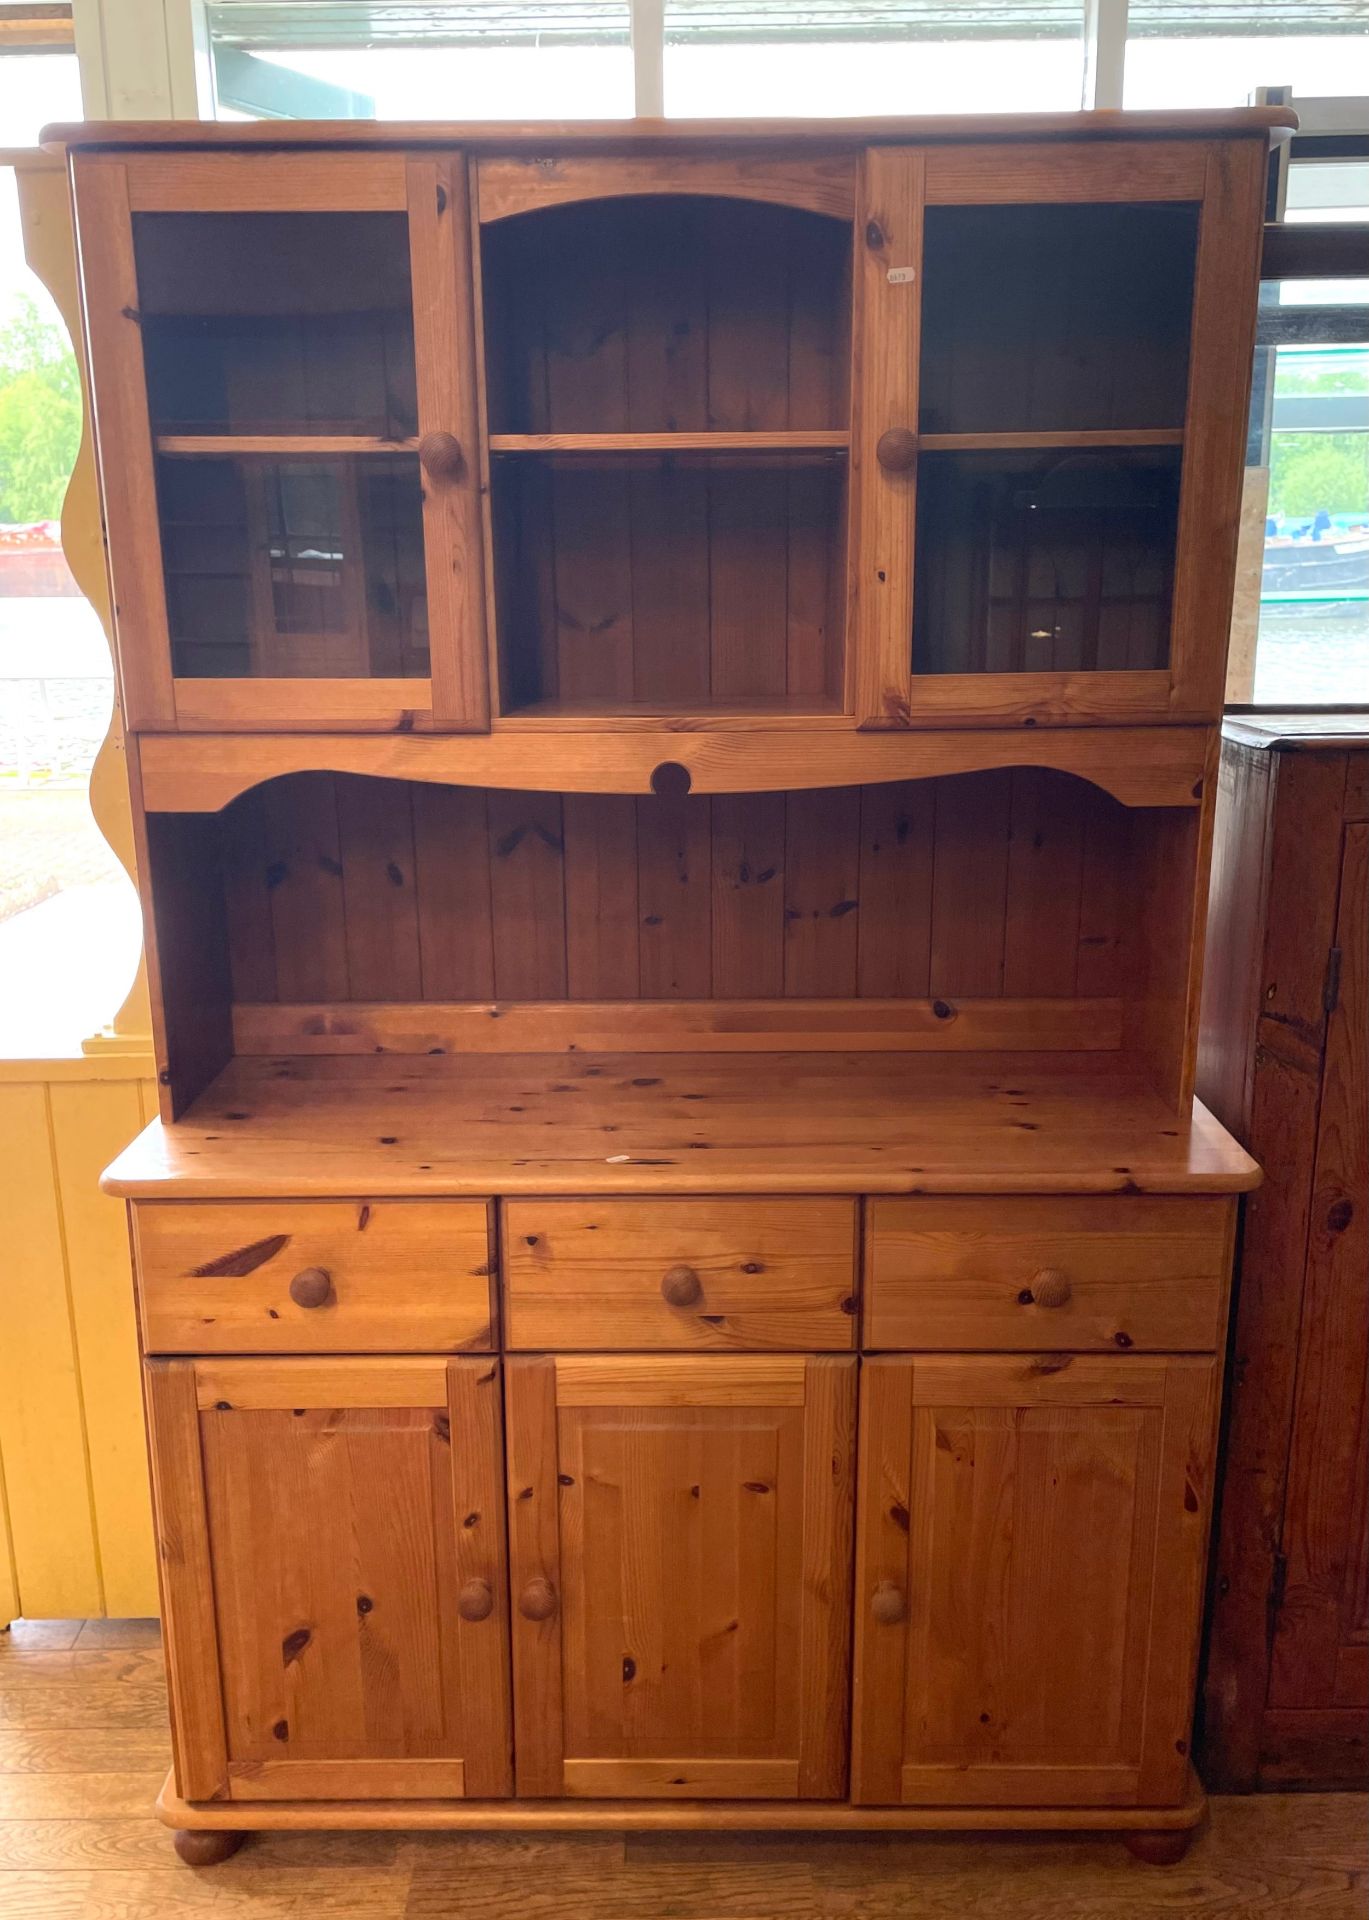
1029 1579
1053 360
282 361
332 1559
680 1567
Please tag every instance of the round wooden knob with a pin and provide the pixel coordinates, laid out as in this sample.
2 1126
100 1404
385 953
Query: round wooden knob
475 1600
312 1287
1050 1288
887 1604
896 449
682 1287
440 455
537 1601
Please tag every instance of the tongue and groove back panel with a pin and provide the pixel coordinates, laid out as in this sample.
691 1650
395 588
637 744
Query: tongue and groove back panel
1010 884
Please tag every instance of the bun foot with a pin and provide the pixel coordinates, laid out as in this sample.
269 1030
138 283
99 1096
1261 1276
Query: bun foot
1164 1848
207 1846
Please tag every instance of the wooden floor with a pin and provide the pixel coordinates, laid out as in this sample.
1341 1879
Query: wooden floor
83 1751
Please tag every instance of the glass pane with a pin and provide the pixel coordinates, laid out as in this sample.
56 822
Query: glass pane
742 58
294 567
1044 561
277 322
1300 624
1216 53
1327 190
449 60
1056 317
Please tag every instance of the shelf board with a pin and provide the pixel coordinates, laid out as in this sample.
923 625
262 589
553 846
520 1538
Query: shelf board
269 443
783 1122
797 440
598 716
1050 441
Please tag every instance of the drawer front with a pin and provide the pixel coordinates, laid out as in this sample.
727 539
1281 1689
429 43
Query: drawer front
1019 1274
314 1276
622 1274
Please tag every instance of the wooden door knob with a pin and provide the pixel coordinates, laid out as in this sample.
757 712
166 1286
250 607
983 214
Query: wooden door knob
896 449
1050 1288
682 1287
312 1287
887 1604
537 1601
440 455
475 1600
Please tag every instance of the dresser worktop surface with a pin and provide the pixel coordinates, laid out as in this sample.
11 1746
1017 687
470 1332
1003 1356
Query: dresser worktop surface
678 1123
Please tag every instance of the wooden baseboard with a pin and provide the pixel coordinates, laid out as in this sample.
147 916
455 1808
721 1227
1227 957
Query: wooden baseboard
703 1816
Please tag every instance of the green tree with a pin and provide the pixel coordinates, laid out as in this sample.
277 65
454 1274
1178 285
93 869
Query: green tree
1309 471
40 414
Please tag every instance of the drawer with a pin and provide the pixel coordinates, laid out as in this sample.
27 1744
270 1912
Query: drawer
314 1276
622 1274
1023 1273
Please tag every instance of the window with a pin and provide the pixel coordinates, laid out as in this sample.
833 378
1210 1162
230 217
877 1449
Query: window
741 58
455 60
1217 53
1300 633
68 918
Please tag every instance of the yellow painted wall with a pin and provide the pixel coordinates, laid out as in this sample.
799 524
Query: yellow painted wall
72 1458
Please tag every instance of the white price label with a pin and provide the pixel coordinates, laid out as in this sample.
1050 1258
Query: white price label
901 276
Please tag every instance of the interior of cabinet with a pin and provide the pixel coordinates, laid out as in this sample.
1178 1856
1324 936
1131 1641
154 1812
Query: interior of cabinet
1052 427
281 382
1045 560
1056 319
974 913
667 399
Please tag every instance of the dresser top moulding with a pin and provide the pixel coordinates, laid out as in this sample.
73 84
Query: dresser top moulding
642 135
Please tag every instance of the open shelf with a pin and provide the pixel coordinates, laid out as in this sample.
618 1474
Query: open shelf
680 1122
668 401
645 581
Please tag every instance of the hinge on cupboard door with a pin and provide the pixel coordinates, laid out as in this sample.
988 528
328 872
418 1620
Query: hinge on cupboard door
1330 992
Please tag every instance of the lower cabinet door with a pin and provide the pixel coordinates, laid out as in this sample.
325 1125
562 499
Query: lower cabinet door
680 1549
1029 1578
333 1577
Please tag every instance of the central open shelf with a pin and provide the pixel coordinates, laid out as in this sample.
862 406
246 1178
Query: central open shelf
668 404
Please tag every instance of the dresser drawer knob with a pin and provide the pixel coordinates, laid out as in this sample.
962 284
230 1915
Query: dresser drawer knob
896 449
475 1600
441 457
312 1287
887 1604
1050 1288
537 1601
682 1287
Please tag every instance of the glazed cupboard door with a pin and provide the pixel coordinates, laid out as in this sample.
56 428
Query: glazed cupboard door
333 1580
680 1539
284 394
1053 361
1029 1578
